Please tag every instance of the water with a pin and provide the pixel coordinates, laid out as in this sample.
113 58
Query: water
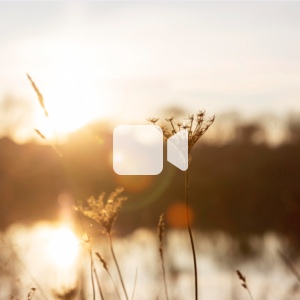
37 257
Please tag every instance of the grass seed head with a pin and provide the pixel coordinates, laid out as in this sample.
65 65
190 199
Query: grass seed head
39 95
160 231
244 283
104 210
196 126
103 262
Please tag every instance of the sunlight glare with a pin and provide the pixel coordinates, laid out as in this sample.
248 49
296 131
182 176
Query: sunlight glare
75 92
63 247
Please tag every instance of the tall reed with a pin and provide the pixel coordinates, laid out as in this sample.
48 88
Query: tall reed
104 212
160 230
196 126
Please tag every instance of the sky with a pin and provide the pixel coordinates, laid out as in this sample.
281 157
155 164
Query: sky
126 61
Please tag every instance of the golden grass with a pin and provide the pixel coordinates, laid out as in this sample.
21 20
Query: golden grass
39 95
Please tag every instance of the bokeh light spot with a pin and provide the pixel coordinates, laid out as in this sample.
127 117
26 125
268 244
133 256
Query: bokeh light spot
176 215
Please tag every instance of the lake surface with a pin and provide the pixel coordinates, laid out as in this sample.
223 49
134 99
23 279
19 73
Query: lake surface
53 260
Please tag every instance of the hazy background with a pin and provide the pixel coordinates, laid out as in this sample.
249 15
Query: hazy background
126 61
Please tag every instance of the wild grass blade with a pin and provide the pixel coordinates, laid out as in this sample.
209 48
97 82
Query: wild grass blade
188 223
51 144
160 230
104 264
289 265
98 284
244 283
134 284
39 95
117 266
31 294
92 272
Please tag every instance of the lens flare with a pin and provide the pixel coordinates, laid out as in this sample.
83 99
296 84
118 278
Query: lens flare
176 215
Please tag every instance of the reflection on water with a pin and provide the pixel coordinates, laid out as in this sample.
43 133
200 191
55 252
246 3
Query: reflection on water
62 246
54 261
43 256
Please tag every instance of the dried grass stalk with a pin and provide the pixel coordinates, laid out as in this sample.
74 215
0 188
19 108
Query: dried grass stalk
160 232
39 95
244 282
105 266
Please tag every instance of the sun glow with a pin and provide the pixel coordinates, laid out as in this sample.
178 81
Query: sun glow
75 92
63 246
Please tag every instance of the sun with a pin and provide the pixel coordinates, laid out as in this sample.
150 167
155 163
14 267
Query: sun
62 247
75 92
71 104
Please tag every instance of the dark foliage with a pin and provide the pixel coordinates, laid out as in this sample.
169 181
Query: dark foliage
241 187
